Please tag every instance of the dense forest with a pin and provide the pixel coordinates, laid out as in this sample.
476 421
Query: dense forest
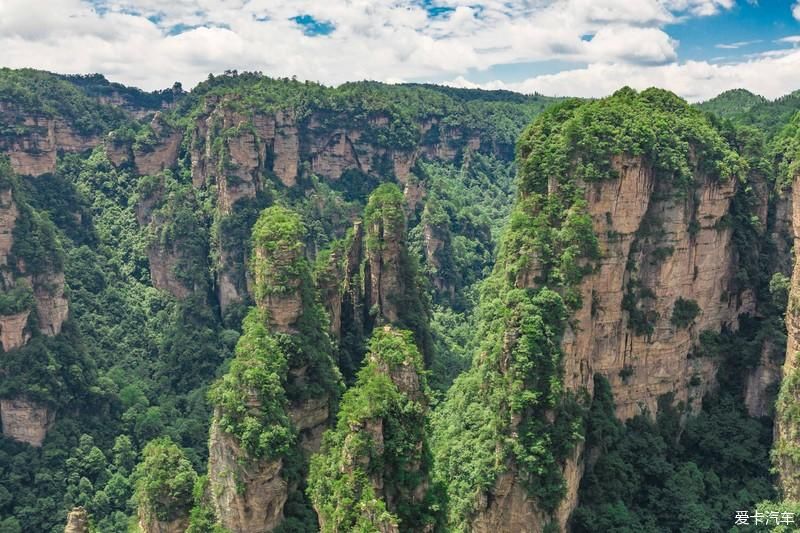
273 305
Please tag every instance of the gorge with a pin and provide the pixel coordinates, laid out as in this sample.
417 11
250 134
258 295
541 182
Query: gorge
271 305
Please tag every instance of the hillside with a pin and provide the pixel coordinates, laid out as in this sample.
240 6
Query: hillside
272 305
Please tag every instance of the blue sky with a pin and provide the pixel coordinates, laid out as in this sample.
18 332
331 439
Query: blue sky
696 48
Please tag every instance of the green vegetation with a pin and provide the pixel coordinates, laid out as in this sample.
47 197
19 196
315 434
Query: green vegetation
652 477
684 312
733 103
16 300
164 482
581 139
278 261
41 93
342 480
250 399
489 285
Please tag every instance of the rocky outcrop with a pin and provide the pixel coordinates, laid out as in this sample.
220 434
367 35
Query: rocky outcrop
656 247
384 272
248 484
25 421
761 382
12 330
77 521
163 264
8 219
34 151
235 153
248 495
163 154
52 307
679 249
148 524
787 424
372 472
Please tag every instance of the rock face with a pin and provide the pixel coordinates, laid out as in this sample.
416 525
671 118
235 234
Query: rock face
156 526
385 275
161 156
249 488
77 521
372 281
34 151
787 425
52 307
760 386
25 421
655 248
234 153
248 495
12 330
690 258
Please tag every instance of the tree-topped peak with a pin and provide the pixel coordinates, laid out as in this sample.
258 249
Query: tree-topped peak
578 140
386 202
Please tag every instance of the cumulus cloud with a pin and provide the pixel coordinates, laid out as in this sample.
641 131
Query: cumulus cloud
771 75
152 43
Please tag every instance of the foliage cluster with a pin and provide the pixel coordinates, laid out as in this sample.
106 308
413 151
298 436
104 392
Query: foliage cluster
341 480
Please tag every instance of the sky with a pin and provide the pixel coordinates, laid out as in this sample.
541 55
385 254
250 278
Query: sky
589 48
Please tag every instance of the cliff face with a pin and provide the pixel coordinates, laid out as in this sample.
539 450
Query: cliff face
248 495
34 151
639 223
787 422
285 338
234 153
656 251
613 264
26 421
27 291
371 280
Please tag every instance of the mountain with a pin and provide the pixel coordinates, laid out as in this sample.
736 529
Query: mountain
272 305
733 103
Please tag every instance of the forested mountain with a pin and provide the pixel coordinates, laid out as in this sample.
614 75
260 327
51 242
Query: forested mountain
272 305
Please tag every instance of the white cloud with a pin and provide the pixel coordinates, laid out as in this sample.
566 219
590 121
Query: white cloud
796 10
770 75
739 44
621 41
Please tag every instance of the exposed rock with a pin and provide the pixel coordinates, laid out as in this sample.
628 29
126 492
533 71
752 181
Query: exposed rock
150 524
248 495
696 263
163 261
77 521
8 219
52 307
692 258
12 330
25 421
507 507
383 271
286 149
310 418
787 426
119 153
762 383
35 152
162 156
